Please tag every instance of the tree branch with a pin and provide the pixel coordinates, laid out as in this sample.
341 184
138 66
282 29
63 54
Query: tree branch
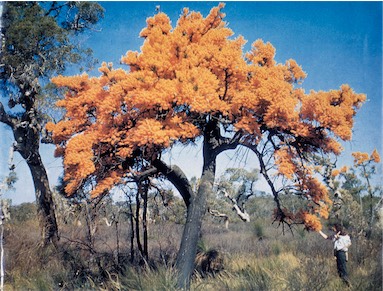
280 215
178 178
228 143
216 213
145 174
4 116
241 213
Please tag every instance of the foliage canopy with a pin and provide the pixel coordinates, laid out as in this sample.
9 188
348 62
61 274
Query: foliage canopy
194 81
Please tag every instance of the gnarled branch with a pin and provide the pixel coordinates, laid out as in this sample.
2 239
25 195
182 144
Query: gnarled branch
216 213
241 213
178 178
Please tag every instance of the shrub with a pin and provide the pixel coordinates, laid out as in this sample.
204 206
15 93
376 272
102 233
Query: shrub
208 261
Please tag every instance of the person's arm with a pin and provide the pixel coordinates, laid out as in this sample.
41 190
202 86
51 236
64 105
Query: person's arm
348 242
325 236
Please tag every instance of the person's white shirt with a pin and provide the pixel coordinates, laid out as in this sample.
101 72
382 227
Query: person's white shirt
341 242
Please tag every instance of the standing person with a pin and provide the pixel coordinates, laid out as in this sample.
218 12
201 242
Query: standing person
341 242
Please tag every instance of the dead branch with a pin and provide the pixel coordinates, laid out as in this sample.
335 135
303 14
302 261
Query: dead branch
241 213
216 213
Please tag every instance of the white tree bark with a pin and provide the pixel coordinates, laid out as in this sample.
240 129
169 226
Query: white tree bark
241 213
216 213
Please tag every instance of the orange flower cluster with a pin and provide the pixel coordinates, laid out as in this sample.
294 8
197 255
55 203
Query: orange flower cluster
375 156
312 222
333 110
361 158
337 172
181 77
315 190
286 166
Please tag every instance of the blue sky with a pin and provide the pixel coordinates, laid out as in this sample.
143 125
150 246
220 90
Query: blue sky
334 42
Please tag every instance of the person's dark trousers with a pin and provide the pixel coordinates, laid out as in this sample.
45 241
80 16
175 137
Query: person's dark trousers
341 265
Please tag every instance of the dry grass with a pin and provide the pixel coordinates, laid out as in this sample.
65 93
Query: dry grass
234 259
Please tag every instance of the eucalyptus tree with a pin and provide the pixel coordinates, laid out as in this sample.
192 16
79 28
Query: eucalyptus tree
38 41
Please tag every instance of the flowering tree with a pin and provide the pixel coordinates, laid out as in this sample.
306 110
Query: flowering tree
193 81
358 181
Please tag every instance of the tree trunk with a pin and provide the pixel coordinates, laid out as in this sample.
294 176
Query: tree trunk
117 258
26 131
45 206
195 213
138 239
191 233
144 195
131 220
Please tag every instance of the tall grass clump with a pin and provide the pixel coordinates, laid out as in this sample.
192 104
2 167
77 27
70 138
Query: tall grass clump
145 279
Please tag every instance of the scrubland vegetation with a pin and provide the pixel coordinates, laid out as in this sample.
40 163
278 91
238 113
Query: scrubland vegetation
190 82
246 256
